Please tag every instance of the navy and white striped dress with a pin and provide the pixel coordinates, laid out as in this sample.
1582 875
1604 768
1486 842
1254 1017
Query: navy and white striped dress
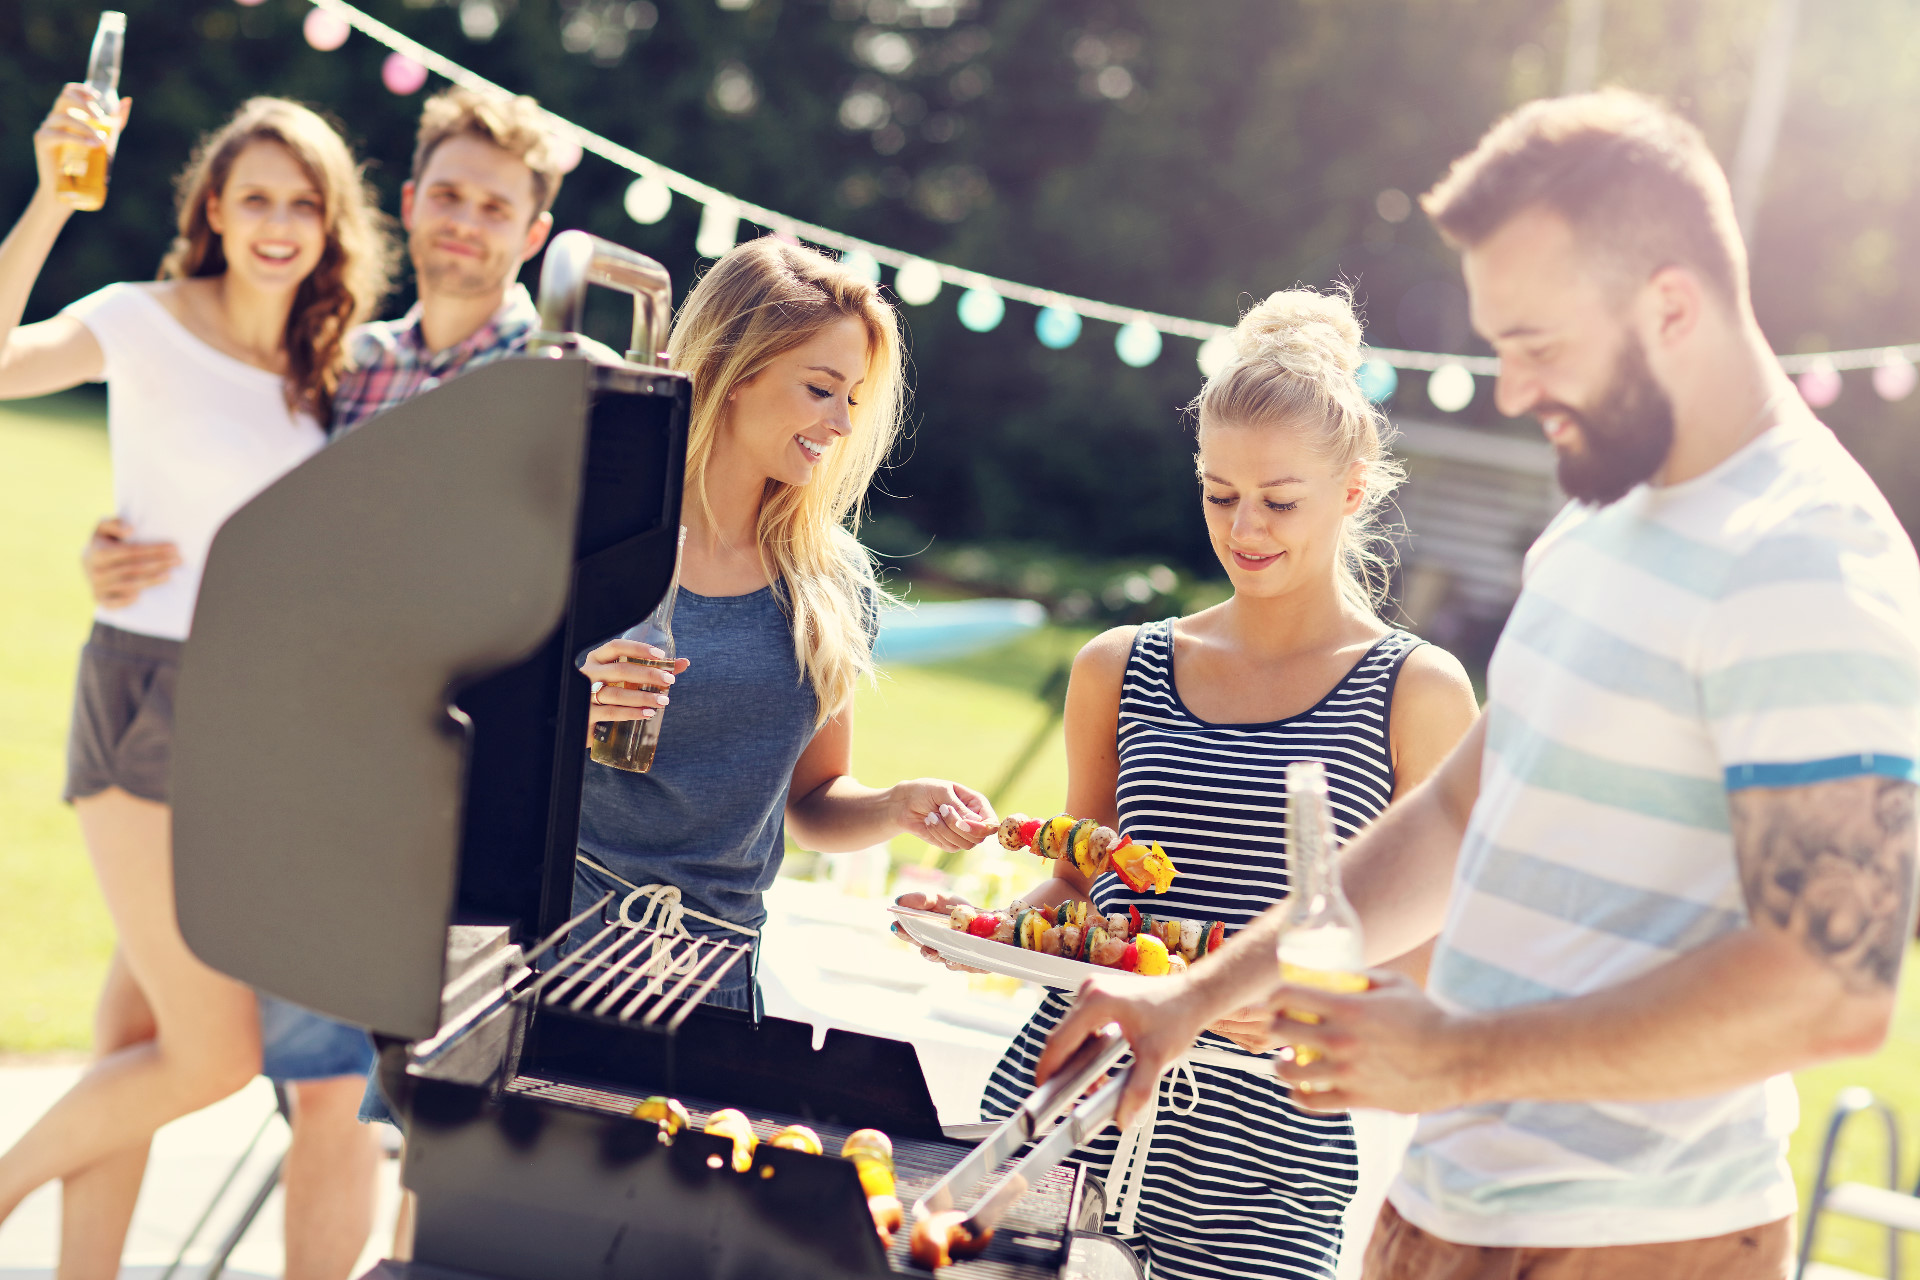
1248 1185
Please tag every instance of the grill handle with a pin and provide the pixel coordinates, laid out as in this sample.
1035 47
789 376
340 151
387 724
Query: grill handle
575 260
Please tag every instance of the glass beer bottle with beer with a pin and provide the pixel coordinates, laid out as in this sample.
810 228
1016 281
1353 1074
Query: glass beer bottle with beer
1320 946
80 175
630 744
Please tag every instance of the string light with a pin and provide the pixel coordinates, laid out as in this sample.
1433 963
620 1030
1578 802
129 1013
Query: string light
918 281
647 200
567 152
325 31
719 229
1894 377
1378 379
402 75
1056 327
1450 387
1137 343
1215 354
1820 385
982 310
861 263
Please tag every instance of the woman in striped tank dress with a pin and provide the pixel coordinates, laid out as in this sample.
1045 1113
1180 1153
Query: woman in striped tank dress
1180 731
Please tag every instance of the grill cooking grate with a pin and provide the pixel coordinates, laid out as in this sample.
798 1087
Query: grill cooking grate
619 971
1030 1238
639 975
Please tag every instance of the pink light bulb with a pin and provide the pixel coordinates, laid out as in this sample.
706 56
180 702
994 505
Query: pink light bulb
1820 386
325 31
566 151
1895 377
402 75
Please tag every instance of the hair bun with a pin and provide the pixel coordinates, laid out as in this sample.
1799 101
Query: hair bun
1301 330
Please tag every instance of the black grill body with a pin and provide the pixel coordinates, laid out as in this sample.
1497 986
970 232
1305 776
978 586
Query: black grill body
377 784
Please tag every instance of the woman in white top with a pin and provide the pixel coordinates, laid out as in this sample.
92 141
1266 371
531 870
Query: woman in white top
218 377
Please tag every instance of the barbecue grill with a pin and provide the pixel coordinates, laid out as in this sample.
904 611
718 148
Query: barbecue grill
377 778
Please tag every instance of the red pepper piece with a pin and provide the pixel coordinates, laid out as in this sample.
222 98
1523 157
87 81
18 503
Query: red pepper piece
1027 832
1131 873
1133 920
982 926
1214 935
1130 958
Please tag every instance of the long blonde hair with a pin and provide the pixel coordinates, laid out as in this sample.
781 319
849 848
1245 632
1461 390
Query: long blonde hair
1295 366
761 300
356 265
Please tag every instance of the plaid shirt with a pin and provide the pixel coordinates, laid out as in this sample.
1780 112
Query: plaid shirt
390 361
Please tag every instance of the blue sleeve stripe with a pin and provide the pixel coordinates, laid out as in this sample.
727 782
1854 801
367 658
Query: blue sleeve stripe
1742 776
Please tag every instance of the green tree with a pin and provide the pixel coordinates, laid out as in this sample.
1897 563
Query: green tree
1185 158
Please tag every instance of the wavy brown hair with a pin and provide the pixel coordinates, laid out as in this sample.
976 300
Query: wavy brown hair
356 265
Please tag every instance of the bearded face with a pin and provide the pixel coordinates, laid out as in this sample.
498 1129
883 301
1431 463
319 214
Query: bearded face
1624 436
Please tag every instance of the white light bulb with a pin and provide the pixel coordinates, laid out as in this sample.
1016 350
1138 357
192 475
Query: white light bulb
648 199
1450 387
719 227
1137 344
1216 353
917 282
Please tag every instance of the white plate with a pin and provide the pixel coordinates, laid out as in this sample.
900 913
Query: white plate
930 929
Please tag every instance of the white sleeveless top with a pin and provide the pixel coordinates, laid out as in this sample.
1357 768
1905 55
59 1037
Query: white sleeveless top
194 435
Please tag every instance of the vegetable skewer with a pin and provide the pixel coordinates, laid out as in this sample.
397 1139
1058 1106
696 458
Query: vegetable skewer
1092 848
1074 931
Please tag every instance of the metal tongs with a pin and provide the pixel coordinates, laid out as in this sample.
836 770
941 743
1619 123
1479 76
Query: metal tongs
1050 1102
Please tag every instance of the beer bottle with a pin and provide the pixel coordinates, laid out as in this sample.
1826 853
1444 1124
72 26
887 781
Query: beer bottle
630 744
1321 945
80 177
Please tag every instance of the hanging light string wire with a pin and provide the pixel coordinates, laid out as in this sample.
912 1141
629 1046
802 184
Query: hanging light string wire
1090 308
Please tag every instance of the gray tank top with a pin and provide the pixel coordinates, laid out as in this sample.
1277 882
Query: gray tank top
710 816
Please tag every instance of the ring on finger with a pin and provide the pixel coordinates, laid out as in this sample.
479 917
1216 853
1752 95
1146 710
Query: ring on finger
598 685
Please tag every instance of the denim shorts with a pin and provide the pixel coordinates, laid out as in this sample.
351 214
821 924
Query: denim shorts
122 733
299 1044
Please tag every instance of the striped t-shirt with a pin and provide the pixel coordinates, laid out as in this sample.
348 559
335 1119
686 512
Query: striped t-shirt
1754 626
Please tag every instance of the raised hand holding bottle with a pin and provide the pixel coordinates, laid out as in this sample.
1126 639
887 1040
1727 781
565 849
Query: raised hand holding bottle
81 159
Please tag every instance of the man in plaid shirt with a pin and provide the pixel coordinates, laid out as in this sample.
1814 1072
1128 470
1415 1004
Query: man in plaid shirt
484 178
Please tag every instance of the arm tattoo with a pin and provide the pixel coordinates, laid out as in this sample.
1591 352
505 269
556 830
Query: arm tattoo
1833 863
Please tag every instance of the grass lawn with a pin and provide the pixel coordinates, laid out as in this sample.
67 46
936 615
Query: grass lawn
964 720
54 484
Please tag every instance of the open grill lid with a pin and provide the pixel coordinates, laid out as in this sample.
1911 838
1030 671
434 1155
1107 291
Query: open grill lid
379 724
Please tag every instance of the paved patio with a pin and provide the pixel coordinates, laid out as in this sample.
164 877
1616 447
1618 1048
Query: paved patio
191 1158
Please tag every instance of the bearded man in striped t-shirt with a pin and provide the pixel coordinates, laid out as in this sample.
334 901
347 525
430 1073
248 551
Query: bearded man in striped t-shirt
1675 859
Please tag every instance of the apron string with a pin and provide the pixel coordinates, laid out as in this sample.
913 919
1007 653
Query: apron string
662 900
1127 1174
